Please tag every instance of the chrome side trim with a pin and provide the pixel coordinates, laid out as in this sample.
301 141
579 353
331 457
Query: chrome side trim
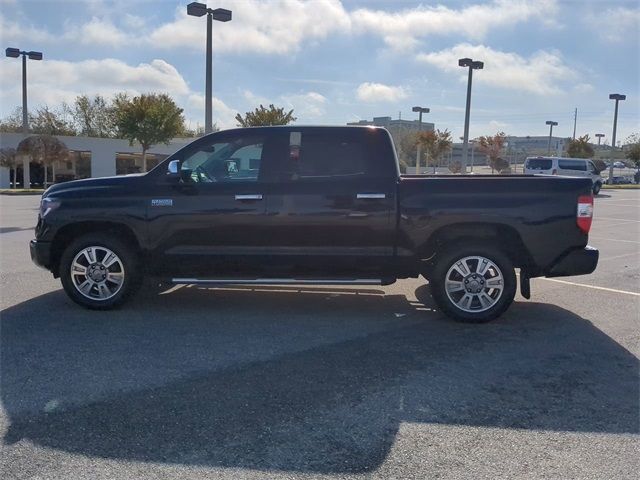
370 195
277 281
249 197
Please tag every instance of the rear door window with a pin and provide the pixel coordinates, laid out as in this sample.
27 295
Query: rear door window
337 154
539 163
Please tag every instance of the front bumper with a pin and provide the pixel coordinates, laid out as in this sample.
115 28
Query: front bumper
580 261
40 253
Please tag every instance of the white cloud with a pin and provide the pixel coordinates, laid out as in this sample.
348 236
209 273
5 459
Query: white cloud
541 73
14 32
223 115
378 92
258 26
98 32
306 105
615 24
402 29
53 82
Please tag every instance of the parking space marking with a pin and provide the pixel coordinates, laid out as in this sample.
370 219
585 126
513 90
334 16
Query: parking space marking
612 218
613 239
613 290
621 256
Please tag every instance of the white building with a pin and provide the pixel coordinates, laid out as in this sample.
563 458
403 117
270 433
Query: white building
96 157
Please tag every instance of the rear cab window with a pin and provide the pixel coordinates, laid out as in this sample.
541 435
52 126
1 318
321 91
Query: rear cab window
338 154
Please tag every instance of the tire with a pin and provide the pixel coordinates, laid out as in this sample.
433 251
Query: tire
483 303
99 281
596 188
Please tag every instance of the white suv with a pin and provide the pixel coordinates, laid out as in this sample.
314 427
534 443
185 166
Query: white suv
568 167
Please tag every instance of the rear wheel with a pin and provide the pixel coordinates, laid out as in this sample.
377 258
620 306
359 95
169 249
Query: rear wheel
99 271
473 283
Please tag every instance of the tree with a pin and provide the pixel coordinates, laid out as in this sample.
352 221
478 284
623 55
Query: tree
9 159
13 122
435 145
632 149
580 148
94 117
148 119
44 149
407 150
48 121
491 146
262 116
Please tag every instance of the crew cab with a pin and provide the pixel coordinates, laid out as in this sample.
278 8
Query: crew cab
313 205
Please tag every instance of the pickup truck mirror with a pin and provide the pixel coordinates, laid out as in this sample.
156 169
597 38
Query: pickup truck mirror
173 169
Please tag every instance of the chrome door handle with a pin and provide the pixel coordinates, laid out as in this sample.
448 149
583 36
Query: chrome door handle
249 197
370 195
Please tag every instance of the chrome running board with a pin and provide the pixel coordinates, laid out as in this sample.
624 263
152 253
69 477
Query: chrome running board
281 281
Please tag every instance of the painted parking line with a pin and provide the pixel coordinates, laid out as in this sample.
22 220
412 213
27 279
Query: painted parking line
613 239
612 218
634 254
613 290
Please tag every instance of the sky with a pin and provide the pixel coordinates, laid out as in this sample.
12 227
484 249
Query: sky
336 61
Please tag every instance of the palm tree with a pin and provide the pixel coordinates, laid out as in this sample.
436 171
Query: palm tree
44 149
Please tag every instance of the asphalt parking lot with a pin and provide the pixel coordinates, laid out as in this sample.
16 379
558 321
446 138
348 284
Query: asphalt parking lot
322 382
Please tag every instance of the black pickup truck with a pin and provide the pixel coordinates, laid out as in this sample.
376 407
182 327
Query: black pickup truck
313 205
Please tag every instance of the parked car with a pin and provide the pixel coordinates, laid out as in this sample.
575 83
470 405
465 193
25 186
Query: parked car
313 205
621 180
619 165
573 167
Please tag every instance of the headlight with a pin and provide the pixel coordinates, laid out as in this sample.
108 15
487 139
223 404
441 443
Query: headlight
47 205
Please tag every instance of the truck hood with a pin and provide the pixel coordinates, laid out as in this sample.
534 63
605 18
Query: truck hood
90 184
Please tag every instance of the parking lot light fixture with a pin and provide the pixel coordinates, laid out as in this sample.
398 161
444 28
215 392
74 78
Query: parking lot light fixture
471 65
420 111
617 97
15 53
196 9
551 124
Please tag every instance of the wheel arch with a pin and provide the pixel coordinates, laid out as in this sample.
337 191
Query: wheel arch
504 237
68 233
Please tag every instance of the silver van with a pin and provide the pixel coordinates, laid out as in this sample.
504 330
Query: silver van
568 167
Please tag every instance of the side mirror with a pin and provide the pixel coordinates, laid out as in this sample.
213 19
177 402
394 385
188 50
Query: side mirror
173 169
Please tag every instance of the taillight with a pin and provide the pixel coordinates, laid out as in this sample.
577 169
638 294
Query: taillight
584 214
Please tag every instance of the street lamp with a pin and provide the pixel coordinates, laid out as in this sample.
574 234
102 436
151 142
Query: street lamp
600 136
15 53
617 97
473 65
196 9
420 111
551 125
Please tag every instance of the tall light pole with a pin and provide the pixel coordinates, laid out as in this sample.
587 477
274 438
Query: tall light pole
15 53
473 65
599 136
221 15
617 97
551 124
420 111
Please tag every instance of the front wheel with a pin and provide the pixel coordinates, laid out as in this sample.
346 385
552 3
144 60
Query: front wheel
99 271
596 188
473 283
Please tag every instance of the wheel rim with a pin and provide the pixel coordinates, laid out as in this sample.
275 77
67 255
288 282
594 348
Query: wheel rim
97 273
474 284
